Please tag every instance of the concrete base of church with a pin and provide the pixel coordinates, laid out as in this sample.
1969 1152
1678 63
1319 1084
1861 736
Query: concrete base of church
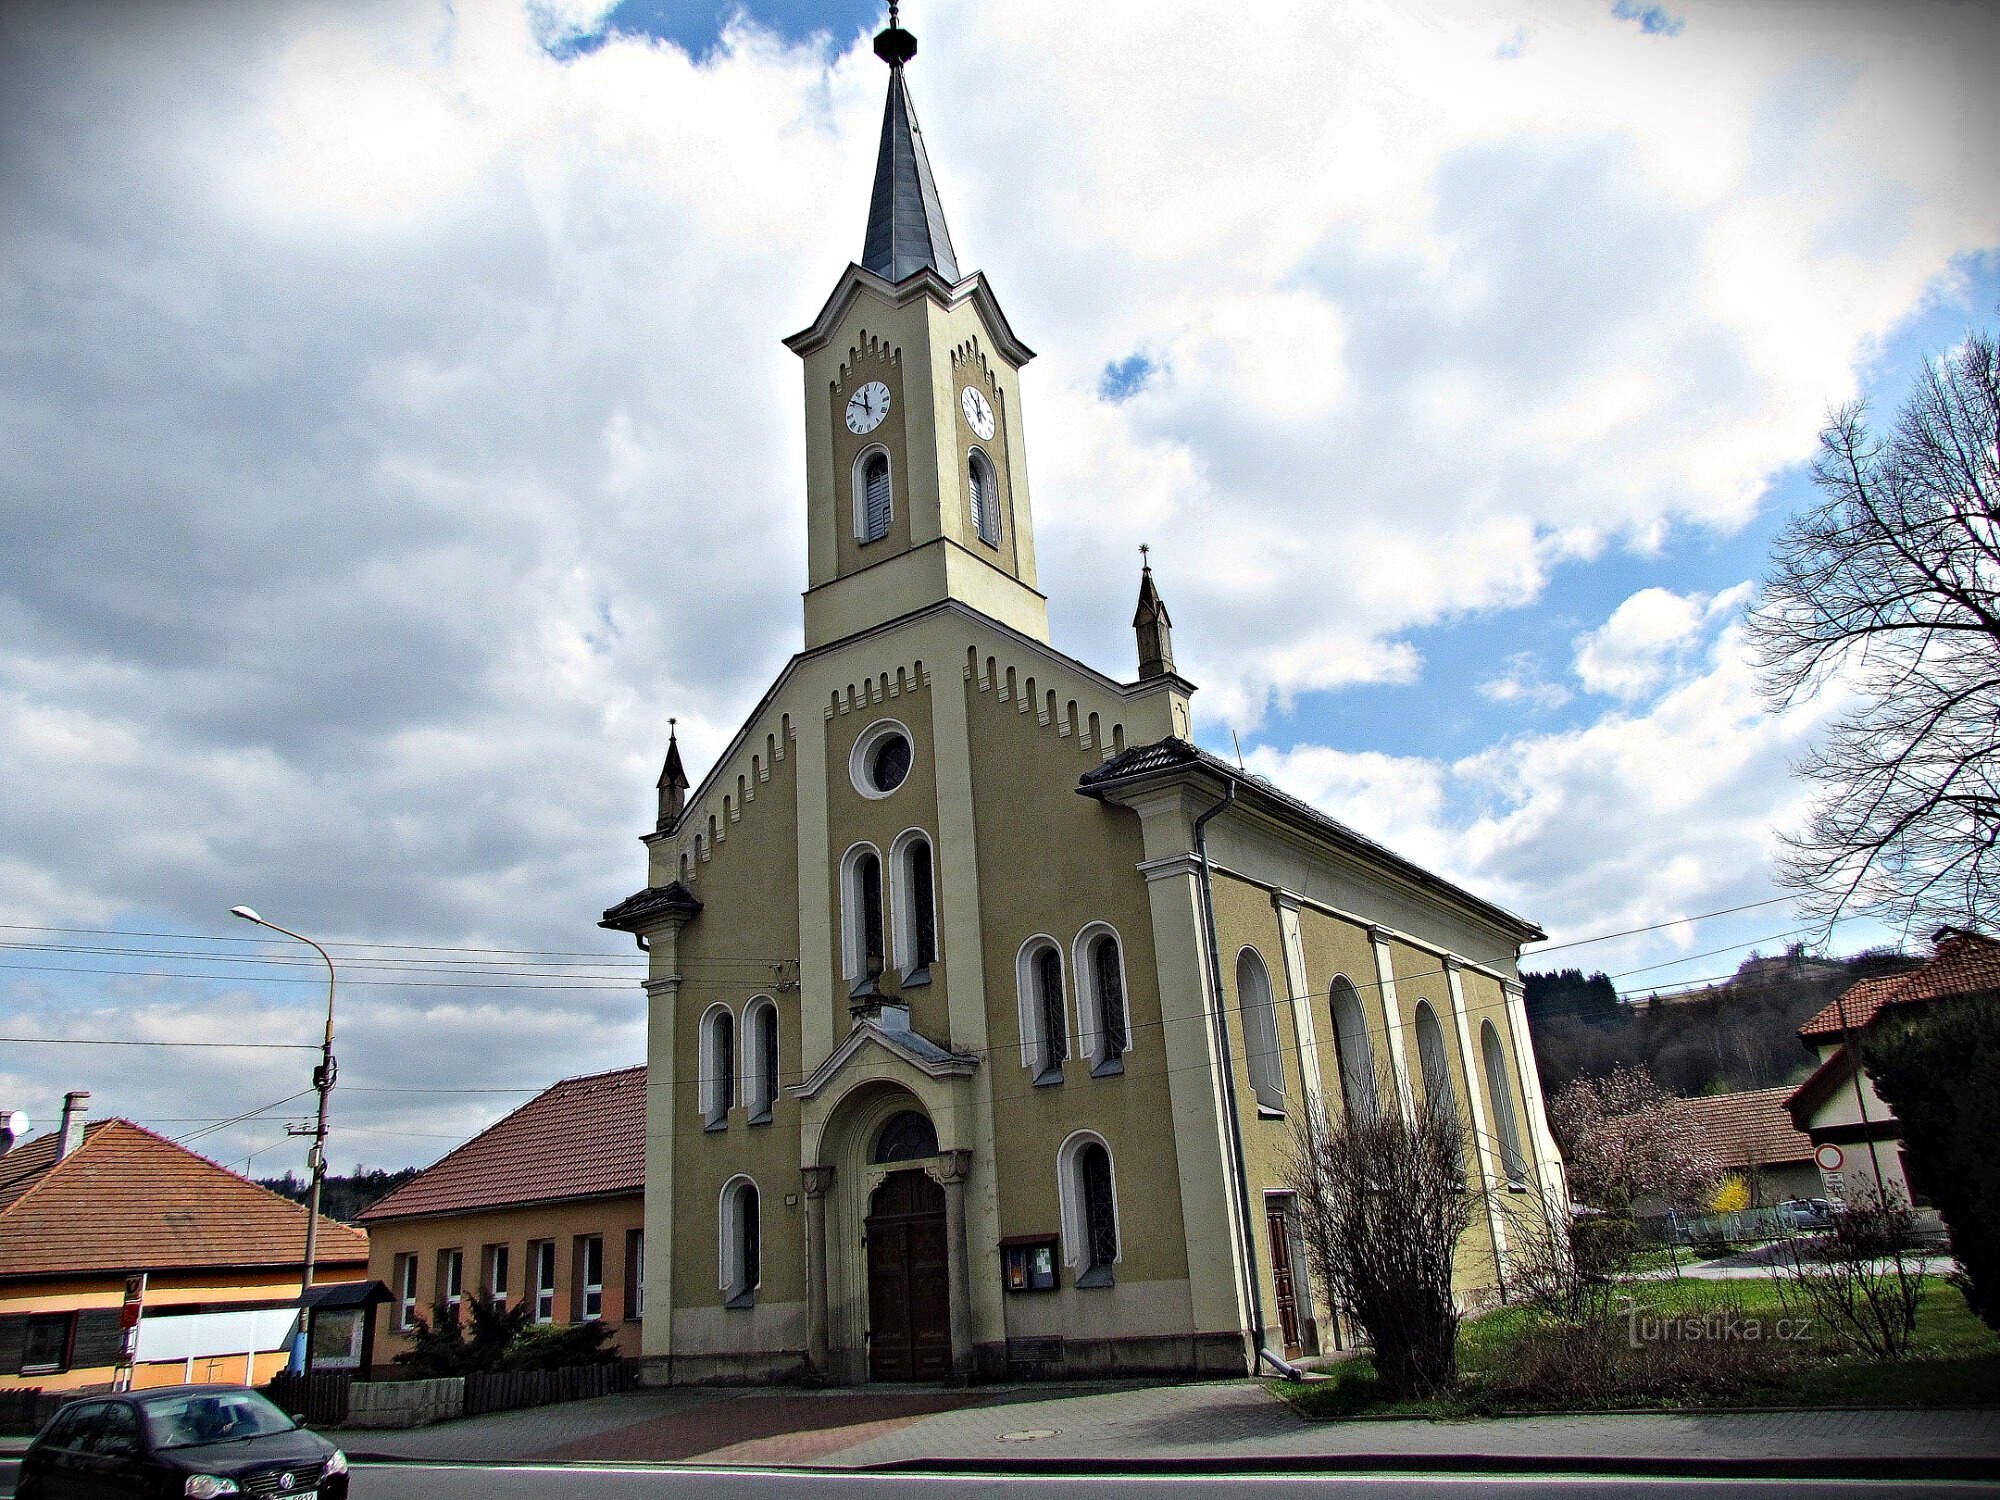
762 1367
1205 1354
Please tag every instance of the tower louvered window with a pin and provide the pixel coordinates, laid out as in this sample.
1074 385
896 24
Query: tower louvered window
875 498
985 499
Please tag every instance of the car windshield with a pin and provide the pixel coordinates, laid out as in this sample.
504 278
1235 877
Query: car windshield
199 1417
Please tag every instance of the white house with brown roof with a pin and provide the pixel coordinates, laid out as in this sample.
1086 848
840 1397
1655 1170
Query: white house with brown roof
94 1216
547 1205
1838 1106
1751 1134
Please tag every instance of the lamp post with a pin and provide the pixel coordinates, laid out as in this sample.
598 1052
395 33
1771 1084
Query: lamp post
323 1077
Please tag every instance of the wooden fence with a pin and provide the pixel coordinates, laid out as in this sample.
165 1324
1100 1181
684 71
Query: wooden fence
320 1397
504 1390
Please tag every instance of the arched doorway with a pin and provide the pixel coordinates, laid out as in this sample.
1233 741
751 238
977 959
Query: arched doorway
909 1280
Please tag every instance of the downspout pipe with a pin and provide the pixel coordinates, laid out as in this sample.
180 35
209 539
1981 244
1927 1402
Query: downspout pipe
1248 1235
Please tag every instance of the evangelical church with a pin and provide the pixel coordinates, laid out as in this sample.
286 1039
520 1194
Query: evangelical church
1058 985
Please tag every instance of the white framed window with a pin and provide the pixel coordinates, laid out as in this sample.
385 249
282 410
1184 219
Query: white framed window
451 1281
1500 1089
589 1263
1087 1190
874 505
494 1274
760 1058
915 870
1435 1064
863 951
406 1291
717 1089
1103 1016
1262 1054
1042 1008
983 492
1350 1045
739 1250
542 1264
881 759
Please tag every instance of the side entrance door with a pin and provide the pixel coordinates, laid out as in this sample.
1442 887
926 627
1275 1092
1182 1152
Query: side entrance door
1278 1222
909 1289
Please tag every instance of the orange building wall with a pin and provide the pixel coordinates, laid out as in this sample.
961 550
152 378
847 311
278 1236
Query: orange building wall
217 1290
514 1227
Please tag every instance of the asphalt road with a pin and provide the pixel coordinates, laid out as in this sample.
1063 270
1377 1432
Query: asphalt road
504 1481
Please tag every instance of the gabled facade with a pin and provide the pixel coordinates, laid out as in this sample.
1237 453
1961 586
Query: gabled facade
545 1206
982 1003
87 1209
1838 1106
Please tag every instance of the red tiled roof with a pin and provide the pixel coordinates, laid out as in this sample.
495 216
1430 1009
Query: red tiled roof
1963 963
1751 1129
582 1138
129 1200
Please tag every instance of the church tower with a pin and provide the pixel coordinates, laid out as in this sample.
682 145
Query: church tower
916 468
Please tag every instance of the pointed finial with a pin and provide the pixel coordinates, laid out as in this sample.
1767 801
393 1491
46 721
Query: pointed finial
1145 561
894 45
674 734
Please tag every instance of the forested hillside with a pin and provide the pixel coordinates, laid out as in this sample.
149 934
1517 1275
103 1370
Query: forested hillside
342 1198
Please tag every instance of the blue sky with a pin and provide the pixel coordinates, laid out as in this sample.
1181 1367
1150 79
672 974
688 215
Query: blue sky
363 531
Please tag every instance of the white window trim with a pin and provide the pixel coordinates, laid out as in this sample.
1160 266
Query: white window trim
544 1254
860 488
903 915
1069 1194
751 1055
636 1248
863 753
1364 1065
1506 1119
1028 1003
729 1278
978 455
406 1294
496 1284
1263 1046
853 946
454 1279
1089 1018
714 1116
590 1288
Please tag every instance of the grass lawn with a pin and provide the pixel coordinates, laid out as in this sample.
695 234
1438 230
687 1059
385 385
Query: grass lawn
1955 1362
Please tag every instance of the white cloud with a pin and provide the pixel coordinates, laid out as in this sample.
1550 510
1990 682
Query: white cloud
395 431
1648 637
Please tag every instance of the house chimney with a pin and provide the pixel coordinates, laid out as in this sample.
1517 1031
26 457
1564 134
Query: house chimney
74 1112
13 1129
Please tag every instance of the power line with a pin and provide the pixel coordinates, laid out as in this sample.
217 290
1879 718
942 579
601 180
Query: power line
1605 937
104 1041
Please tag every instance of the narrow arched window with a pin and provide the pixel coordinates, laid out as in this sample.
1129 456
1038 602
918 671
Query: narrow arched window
980 485
875 504
916 907
1357 1058
1107 970
1500 1089
718 1067
1049 997
1260 1031
1439 1094
760 1047
1089 1201
861 919
740 1252
1042 1009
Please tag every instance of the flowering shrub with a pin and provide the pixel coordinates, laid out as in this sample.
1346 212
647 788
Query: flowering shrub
1623 1137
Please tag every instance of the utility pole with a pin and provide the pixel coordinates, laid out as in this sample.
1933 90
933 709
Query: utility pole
323 1077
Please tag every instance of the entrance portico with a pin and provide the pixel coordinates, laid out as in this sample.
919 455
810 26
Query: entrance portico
883 1140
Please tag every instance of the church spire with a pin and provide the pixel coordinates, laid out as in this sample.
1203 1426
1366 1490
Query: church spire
1154 629
673 782
906 232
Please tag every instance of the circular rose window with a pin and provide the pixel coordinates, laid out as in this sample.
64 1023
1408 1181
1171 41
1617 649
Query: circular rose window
881 759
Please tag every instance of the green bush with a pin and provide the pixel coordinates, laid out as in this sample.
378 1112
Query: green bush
1939 1070
501 1338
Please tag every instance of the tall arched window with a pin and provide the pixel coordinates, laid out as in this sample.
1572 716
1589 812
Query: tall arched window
1260 1030
861 918
1439 1095
1088 1195
1043 1011
872 504
916 906
739 1254
1350 1044
760 1058
1105 1028
985 493
718 1067
1500 1089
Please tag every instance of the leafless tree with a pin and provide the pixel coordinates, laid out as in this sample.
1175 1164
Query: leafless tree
1859 1278
1383 1203
1623 1138
1890 586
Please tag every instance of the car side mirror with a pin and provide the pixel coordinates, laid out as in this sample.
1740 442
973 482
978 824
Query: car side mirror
298 1418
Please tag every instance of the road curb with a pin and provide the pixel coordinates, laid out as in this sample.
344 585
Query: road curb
1873 1466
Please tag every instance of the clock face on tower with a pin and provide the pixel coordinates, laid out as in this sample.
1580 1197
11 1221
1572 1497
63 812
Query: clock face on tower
978 413
867 407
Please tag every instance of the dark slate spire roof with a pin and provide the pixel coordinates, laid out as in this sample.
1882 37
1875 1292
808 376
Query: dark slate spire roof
673 775
906 230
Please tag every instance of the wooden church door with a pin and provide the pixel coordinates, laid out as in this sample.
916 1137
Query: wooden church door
909 1281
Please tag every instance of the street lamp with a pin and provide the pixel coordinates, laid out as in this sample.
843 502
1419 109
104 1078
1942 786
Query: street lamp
323 1077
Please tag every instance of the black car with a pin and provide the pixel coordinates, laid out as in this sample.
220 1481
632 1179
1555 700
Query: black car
197 1441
